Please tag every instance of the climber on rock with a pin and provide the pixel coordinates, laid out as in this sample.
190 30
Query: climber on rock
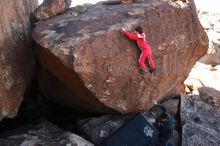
165 125
139 37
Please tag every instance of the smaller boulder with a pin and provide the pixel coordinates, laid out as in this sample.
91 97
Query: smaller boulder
210 95
51 8
200 122
42 133
100 128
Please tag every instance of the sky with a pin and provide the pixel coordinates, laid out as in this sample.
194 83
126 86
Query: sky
209 5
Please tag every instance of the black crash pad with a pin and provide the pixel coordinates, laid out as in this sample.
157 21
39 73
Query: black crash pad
136 132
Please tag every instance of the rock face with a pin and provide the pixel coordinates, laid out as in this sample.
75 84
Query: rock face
42 133
16 63
51 8
200 122
87 63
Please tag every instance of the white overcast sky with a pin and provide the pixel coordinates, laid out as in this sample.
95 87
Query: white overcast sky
209 5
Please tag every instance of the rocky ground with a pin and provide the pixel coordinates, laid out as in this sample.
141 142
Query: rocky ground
203 75
210 20
42 133
200 121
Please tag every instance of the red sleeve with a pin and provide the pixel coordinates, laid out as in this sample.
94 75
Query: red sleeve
131 36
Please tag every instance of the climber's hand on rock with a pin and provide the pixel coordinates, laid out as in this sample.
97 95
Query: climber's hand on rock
155 102
122 29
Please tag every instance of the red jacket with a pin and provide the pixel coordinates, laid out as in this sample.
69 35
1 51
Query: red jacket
140 39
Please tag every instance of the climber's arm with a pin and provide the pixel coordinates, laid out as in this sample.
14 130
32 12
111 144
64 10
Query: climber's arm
131 36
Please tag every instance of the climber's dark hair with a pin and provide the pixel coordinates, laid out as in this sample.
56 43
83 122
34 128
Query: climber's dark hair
139 29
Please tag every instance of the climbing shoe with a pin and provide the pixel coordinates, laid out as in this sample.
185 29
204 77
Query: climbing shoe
152 70
143 72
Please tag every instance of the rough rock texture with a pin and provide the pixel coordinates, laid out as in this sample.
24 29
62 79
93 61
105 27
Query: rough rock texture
75 11
42 133
200 122
98 129
51 8
96 67
211 23
16 63
210 95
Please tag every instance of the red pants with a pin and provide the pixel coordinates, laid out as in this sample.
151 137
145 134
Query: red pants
146 54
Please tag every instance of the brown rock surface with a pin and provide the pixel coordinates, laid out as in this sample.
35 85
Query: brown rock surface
51 8
97 66
15 58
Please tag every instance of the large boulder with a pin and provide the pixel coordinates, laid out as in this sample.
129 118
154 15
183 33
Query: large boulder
51 8
87 63
41 133
200 122
16 63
